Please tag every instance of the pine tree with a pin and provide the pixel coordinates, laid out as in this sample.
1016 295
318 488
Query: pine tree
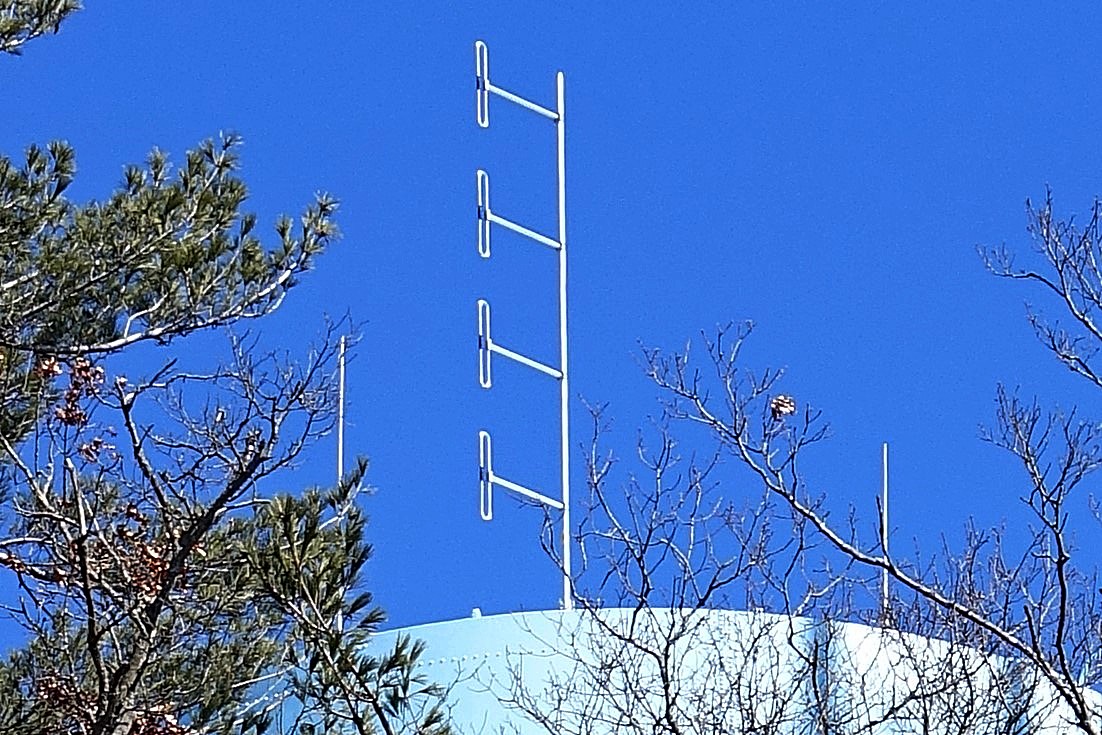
163 589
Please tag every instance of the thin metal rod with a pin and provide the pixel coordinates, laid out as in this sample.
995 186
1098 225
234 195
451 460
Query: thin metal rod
546 370
527 104
340 411
520 489
340 447
521 229
564 382
885 600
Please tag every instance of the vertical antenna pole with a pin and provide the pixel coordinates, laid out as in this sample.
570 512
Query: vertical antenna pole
340 451
564 382
885 600
487 346
340 411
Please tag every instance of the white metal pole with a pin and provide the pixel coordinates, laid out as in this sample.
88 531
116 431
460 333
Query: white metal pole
564 382
885 601
340 412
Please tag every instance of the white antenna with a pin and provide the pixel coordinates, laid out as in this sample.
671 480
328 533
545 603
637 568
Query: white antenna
487 346
340 445
340 411
885 600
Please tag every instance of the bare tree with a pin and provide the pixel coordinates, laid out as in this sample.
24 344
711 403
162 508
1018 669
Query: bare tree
164 590
1017 627
984 636
164 585
697 614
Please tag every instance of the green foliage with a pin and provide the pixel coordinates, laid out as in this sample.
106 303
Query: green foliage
167 254
165 594
162 590
308 553
22 20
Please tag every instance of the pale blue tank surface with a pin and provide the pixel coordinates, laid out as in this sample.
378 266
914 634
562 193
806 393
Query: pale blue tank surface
625 670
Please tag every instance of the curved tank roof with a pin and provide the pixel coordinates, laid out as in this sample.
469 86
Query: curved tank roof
624 670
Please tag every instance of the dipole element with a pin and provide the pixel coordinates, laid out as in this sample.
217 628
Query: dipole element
487 347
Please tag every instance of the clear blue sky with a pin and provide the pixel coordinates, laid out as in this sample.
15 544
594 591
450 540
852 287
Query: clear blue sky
825 171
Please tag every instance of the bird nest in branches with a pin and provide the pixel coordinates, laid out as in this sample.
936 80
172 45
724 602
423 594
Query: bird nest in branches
782 406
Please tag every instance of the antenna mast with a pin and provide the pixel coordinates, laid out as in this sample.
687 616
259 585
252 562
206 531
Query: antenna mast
488 347
885 599
340 410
